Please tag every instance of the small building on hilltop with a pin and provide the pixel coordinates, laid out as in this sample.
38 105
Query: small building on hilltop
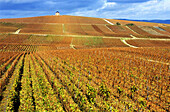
57 13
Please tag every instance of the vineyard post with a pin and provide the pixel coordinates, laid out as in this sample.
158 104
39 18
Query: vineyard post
78 80
103 53
89 76
113 84
147 89
59 77
66 87
111 109
129 107
129 67
157 83
160 94
154 66
79 75
1 72
124 63
125 107
161 84
160 71
118 74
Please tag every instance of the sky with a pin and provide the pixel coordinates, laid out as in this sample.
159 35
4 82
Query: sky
112 9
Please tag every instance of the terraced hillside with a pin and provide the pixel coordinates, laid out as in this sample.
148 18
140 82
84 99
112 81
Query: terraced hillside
73 25
69 63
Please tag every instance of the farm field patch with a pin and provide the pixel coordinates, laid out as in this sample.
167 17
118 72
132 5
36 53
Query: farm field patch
149 43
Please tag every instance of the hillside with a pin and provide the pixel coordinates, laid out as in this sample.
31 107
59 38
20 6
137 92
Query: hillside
57 19
76 26
83 64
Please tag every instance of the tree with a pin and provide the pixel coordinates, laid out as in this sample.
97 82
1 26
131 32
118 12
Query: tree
118 23
130 24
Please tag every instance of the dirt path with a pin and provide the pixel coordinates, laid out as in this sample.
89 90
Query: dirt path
124 41
63 28
17 32
159 62
108 22
133 36
71 45
155 61
109 28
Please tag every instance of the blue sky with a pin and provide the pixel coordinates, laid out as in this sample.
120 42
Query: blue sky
114 9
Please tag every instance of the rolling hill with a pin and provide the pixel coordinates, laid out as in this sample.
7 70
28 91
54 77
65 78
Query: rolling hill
97 32
86 26
82 64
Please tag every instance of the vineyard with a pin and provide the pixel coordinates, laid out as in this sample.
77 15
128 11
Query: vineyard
149 43
146 32
85 80
54 19
7 27
74 64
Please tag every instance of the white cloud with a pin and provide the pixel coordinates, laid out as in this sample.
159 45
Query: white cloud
150 5
95 9
106 5
153 9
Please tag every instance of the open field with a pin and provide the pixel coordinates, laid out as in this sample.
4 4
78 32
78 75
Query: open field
72 64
